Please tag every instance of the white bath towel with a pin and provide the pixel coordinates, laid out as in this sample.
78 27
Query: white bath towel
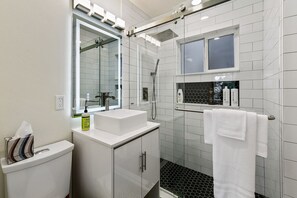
234 163
230 123
262 135
207 123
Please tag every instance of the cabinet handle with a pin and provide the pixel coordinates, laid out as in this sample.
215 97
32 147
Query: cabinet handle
144 159
141 162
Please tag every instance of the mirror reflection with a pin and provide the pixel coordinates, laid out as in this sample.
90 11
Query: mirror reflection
98 83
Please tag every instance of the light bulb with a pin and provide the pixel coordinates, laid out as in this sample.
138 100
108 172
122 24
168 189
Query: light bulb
196 2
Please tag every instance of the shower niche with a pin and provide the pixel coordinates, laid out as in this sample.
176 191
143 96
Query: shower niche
207 93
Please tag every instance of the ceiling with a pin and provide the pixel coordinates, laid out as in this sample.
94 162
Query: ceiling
154 8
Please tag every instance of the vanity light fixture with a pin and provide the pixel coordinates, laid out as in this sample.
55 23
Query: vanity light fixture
98 12
204 18
119 24
109 18
83 5
195 2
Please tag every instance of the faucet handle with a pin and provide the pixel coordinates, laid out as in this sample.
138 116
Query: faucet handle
105 92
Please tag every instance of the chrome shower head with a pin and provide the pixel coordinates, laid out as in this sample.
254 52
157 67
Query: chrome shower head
165 35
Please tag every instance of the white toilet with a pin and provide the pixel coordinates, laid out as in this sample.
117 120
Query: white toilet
46 175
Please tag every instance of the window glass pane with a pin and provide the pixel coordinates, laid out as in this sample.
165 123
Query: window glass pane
192 55
221 52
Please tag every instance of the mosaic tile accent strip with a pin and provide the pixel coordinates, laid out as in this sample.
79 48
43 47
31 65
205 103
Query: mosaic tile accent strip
187 183
205 92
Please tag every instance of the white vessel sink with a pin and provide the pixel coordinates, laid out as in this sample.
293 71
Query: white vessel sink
120 121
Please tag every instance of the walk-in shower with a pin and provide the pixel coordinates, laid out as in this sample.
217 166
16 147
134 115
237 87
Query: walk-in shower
187 162
154 102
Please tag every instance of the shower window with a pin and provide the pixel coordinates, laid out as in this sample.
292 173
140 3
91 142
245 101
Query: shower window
211 52
192 57
221 52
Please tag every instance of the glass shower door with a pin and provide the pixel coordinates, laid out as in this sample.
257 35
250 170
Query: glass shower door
154 62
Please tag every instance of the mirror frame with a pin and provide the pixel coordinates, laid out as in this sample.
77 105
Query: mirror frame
76 109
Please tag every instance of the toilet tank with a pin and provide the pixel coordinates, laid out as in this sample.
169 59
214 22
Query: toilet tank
46 175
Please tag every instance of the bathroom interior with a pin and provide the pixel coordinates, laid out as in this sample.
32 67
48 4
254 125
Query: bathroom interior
146 71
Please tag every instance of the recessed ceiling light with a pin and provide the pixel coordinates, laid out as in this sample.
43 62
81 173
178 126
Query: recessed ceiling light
204 18
196 2
217 38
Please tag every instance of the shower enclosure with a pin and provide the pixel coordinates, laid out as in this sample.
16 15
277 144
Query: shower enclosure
158 57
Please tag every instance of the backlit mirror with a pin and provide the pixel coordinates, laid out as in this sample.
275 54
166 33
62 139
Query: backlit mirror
97 75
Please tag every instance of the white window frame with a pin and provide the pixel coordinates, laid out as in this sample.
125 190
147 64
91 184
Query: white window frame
206 37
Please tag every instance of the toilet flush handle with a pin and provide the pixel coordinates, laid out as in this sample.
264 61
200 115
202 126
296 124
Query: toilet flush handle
42 151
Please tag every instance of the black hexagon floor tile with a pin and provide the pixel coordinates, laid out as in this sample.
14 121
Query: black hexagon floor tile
187 183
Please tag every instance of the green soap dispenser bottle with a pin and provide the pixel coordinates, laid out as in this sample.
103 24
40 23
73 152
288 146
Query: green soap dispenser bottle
85 120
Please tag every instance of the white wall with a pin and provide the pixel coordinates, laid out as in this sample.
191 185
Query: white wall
35 63
35 66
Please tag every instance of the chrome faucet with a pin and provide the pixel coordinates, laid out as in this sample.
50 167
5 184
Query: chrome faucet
104 97
107 102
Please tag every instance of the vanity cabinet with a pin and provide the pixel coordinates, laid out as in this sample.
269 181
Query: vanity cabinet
110 166
137 166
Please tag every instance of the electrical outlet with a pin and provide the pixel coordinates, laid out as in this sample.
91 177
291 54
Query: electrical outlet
59 102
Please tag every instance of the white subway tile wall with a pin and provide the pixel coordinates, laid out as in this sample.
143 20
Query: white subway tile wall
132 16
182 133
272 72
89 62
267 70
289 93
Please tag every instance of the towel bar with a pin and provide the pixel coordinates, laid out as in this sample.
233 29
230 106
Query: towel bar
270 117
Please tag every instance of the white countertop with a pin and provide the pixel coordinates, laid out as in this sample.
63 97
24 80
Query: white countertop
111 140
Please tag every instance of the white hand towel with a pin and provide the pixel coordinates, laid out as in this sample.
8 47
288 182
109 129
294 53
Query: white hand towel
262 135
207 122
234 163
230 123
